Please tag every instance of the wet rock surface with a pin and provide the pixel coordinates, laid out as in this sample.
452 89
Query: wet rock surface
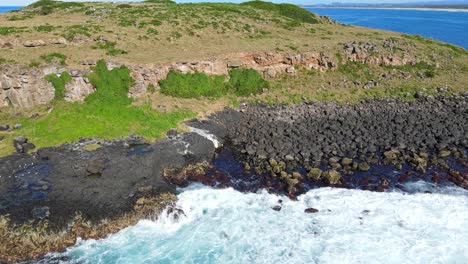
55 183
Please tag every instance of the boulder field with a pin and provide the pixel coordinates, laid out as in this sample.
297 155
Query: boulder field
323 142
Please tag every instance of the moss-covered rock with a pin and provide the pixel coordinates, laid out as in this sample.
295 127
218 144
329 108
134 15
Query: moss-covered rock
333 176
314 174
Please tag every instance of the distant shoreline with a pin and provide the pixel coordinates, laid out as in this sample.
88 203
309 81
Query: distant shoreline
464 9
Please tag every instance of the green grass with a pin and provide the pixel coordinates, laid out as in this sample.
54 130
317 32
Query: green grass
428 70
356 70
46 7
404 92
107 113
242 82
54 57
86 30
192 85
291 11
11 30
110 48
59 83
45 28
5 61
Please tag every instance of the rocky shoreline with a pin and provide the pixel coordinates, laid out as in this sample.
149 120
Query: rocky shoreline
323 144
87 189
100 179
375 145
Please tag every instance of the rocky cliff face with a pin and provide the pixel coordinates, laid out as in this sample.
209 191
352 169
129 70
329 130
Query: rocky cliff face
79 87
270 65
24 87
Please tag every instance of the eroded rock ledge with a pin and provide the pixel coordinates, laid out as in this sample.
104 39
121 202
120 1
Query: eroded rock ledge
25 87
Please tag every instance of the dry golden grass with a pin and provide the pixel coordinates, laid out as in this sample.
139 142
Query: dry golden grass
204 32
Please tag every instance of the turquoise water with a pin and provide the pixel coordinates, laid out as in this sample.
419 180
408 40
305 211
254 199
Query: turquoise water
447 26
352 226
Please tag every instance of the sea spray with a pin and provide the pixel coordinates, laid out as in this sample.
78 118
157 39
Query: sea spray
227 226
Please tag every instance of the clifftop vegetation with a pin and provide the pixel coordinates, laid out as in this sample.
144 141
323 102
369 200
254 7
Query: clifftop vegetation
162 31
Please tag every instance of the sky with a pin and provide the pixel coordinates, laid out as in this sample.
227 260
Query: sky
26 2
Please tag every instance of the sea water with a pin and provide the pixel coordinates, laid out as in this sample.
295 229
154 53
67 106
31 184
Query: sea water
352 226
4 9
444 25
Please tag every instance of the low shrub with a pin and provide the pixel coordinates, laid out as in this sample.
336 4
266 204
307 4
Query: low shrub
244 82
124 6
111 86
192 85
59 82
44 28
110 46
86 30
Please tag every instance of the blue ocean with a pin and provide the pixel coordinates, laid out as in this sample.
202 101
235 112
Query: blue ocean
447 26
4 9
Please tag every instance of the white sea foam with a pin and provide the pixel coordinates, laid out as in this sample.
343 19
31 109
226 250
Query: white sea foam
352 226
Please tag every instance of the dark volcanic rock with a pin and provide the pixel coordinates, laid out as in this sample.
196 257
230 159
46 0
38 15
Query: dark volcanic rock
172 133
348 139
40 213
96 166
276 208
4 127
311 211
318 131
57 177
22 145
